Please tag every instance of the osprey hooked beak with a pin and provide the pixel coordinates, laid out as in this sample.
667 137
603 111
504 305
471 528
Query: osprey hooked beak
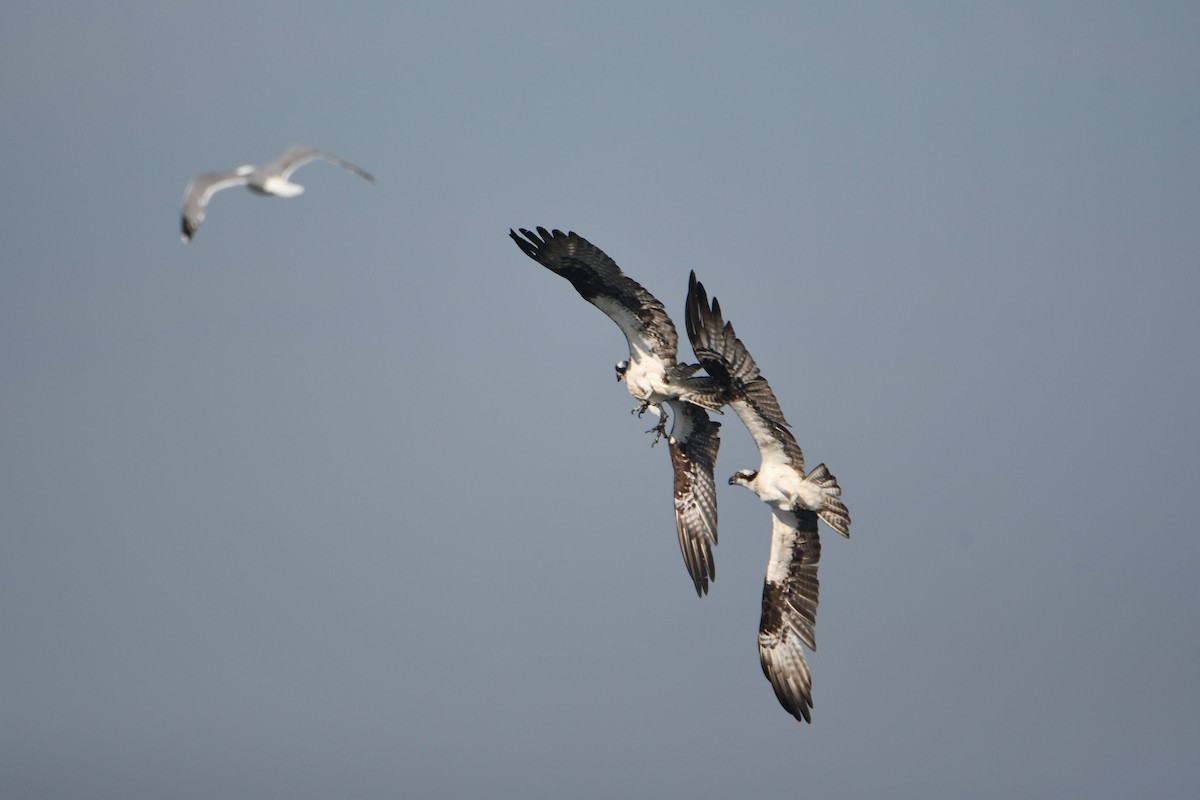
742 476
622 366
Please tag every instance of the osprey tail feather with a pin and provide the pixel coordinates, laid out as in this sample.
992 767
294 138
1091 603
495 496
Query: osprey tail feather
833 511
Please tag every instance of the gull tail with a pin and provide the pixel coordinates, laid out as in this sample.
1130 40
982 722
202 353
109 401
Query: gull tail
833 511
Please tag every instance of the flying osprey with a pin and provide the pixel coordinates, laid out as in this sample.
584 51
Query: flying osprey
789 606
271 178
653 377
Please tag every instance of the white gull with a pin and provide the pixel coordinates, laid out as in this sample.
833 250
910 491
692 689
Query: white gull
270 178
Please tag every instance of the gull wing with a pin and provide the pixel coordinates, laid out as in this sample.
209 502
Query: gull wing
598 279
789 609
298 155
197 193
693 445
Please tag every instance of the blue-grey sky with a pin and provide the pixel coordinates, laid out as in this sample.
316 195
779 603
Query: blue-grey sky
342 500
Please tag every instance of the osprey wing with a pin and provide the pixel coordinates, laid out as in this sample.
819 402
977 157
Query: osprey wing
730 364
789 609
598 279
723 355
693 444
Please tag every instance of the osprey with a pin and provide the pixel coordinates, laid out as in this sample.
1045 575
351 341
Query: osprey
789 605
653 377
271 178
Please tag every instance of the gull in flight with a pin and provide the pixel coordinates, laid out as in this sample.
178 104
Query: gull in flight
270 178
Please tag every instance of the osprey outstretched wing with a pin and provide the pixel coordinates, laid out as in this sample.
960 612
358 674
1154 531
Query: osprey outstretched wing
640 315
789 609
651 373
693 444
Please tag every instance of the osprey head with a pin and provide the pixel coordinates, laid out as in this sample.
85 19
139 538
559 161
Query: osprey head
743 477
622 367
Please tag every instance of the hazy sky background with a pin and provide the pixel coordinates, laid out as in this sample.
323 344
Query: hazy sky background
343 500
